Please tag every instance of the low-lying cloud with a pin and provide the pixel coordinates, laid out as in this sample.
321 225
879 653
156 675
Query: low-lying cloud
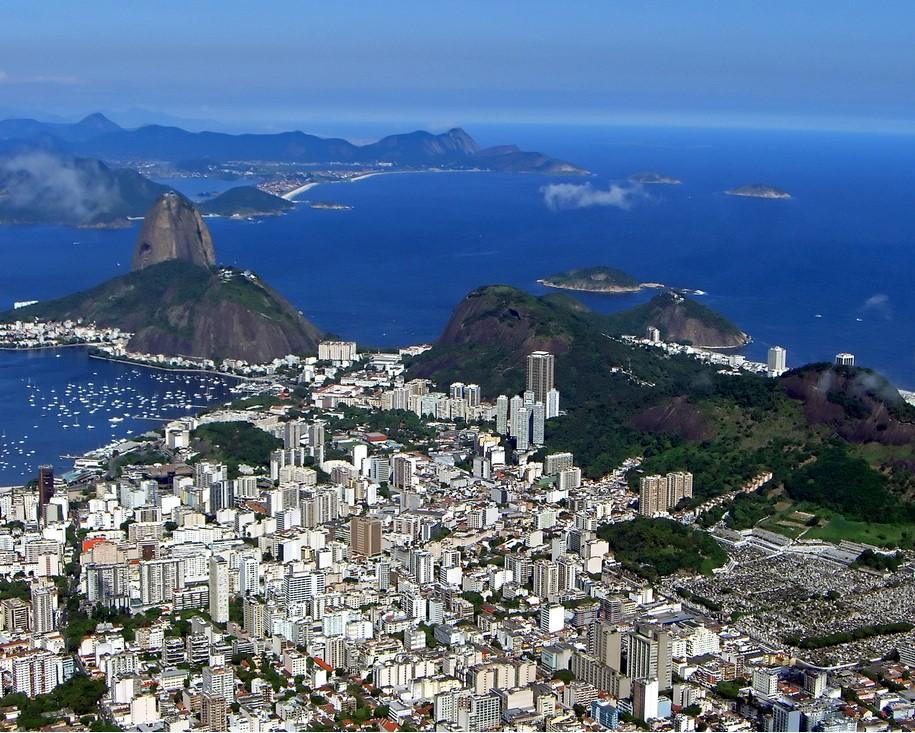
559 196
878 303
41 181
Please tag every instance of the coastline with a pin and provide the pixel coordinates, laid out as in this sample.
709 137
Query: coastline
47 347
620 290
291 195
147 365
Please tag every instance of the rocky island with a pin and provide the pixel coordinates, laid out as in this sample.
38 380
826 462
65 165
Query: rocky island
599 279
245 201
654 178
758 191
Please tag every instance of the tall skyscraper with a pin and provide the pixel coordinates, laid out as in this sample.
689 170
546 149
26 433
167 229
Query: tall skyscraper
502 414
248 575
44 606
292 434
552 403
650 655
159 579
365 536
645 699
219 589
652 495
45 490
538 423
540 374
213 713
472 394
777 361
521 428
679 487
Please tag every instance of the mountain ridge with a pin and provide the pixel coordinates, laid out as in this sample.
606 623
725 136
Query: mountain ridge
99 137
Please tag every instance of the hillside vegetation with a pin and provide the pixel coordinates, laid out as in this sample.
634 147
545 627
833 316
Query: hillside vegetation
836 439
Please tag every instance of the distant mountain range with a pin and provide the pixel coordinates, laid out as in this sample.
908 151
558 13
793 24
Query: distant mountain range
97 136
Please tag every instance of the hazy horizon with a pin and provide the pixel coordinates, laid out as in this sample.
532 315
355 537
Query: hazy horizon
230 66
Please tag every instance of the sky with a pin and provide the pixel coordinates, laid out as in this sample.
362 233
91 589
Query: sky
820 64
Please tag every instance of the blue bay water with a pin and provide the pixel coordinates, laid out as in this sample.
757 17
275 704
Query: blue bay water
829 270
55 402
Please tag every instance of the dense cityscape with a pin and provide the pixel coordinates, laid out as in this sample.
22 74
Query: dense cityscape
457 367
347 548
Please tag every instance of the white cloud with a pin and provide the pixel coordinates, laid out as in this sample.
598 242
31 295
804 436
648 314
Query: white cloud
559 196
878 303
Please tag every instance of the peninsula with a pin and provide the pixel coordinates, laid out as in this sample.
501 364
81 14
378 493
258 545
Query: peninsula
758 191
600 279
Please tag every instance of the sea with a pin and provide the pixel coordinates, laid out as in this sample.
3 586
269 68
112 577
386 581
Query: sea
831 269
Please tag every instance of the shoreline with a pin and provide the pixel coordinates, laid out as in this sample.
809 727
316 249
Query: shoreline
160 368
47 347
621 290
291 195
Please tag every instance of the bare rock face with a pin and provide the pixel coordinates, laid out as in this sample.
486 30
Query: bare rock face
173 230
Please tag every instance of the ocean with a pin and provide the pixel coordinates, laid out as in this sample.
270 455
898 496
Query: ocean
828 270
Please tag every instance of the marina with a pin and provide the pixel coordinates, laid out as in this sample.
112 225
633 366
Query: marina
65 404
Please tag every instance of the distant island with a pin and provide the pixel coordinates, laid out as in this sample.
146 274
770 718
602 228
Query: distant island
244 201
599 279
758 191
651 177
329 206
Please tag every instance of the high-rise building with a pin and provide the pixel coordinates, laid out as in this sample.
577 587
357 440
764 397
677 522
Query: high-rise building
679 487
540 374
108 584
652 495
299 587
365 536
45 490
292 434
35 673
538 424
403 471
552 403
159 579
845 359
44 606
337 351
545 579
502 414
456 390
556 462
219 589
253 611
659 494
472 394
777 361
249 571
519 423
421 566
645 699
552 618
219 681
213 712
650 655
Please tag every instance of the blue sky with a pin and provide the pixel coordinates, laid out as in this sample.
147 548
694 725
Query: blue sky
272 65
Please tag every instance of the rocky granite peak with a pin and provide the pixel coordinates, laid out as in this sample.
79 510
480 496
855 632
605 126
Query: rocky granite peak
173 230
